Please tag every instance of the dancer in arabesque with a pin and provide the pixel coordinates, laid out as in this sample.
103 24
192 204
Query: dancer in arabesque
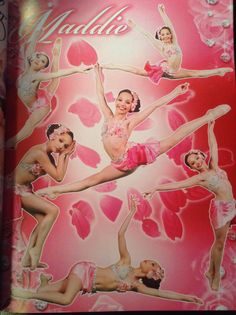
170 67
127 156
37 99
86 277
222 211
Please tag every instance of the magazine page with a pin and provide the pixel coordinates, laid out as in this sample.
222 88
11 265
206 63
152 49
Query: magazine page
3 49
120 156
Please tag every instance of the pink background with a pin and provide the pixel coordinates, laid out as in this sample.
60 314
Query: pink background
184 259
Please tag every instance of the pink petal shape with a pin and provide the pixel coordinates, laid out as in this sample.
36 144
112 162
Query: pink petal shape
182 98
150 227
144 208
82 217
172 200
175 118
197 194
177 153
86 155
226 157
109 97
146 124
111 207
172 224
81 52
106 187
87 112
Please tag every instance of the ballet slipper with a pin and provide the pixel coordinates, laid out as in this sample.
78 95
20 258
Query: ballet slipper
218 111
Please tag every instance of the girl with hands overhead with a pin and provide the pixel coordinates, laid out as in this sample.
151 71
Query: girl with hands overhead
86 277
222 211
166 43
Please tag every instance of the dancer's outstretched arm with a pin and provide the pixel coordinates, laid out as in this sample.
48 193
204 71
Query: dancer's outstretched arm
170 295
61 73
213 147
139 117
31 47
167 22
154 41
56 52
124 253
187 183
107 113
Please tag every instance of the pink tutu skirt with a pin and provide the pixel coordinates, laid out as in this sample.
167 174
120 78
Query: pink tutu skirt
43 100
155 72
221 212
86 271
138 154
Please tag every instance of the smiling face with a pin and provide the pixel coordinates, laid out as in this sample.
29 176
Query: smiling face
165 35
124 103
39 61
61 142
196 161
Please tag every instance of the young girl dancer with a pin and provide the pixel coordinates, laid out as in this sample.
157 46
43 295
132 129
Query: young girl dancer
85 277
36 162
170 67
38 100
222 212
127 156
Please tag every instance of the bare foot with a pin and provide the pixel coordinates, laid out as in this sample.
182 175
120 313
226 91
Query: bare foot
215 283
25 262
209 276
223 71
40 265
20 293
34 256
218 111
48 192
44 279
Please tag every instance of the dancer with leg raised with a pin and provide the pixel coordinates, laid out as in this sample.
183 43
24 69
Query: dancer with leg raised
127 156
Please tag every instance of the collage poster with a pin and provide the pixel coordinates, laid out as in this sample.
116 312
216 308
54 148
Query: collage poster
119 168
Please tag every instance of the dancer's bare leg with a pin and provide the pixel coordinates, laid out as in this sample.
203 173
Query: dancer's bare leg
186 73
65 295
107 174
188 128
34 119
217 254
126 68
35 206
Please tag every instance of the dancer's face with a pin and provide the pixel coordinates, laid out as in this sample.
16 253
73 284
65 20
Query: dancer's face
196 161
124 102
61 143
39 62
166 36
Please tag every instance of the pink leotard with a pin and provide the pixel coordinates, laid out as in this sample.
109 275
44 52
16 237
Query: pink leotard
121 272
114 128
43 100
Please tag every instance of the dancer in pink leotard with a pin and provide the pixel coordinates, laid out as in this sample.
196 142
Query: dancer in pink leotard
40 160
222 212
36 99
127 156
86 277
167 46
